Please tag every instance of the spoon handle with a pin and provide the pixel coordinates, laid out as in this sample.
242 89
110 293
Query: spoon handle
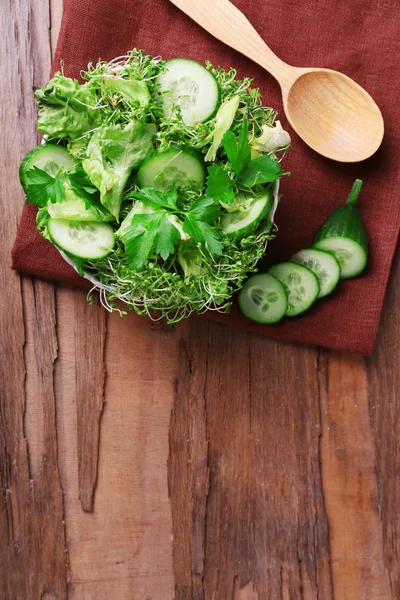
229 25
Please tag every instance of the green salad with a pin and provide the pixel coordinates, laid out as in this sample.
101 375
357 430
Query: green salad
157 180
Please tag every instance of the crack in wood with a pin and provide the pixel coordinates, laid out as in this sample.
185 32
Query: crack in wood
90 371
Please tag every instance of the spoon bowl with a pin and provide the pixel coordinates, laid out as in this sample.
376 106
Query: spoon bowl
333 115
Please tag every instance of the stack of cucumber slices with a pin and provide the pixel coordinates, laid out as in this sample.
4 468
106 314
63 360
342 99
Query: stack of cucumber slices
340 251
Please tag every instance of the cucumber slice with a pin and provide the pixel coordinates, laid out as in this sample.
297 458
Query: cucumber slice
323 264
49 158
180 166
263 299
351 256
301 286
239 222
82 239
189 85
343 233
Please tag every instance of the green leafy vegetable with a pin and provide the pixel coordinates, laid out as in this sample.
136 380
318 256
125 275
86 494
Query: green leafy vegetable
272 139
260 170
196 224
164 204
205 209
148 233
219 184
132 90
203 233
112 153
42 219
238 154
157 199
190 259
83 187
223 121
66 109
44 188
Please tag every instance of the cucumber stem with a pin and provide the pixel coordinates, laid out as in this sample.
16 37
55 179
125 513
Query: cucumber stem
355 192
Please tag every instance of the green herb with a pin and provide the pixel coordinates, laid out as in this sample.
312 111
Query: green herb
147 233
264 169
196 224
157 199
238 153
44 187
83 188
219 184
160 231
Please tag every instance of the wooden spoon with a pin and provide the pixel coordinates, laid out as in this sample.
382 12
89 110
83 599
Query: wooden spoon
329 111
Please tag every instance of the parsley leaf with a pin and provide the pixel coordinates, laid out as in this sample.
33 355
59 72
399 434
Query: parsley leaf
83 188
148 233
158 232
203 233
238 154
219 185
264 169
203 211
156 199
81 184
43 188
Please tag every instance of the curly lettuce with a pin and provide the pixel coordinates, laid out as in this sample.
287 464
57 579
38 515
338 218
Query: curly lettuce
67 109
113 152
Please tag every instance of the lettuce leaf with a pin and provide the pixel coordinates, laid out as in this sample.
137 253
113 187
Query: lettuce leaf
272 139
223 121
112 153
66 109
132 90
42 218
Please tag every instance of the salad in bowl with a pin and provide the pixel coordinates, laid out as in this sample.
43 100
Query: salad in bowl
157 180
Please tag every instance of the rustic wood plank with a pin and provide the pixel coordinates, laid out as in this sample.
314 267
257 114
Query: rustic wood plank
248 516
188 469
32 539
90 339
384 395
123 548
264 521
349 477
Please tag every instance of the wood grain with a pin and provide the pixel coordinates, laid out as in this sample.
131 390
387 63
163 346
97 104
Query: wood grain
32 540
244 475
229 465
90 340
349 476
122 550
384 397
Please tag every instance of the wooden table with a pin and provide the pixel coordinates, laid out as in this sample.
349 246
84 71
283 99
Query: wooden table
144 462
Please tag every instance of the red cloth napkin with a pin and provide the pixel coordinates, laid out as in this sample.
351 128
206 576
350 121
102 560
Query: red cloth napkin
359 38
